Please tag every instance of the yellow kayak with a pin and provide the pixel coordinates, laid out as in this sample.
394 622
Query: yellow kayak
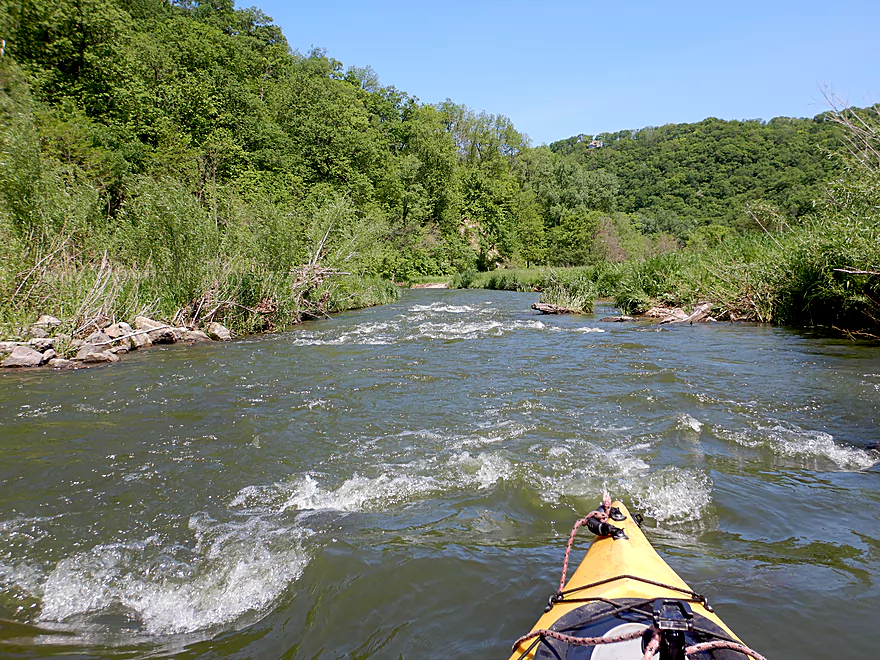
623 590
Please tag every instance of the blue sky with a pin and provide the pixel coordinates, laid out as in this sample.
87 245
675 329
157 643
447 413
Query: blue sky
562 68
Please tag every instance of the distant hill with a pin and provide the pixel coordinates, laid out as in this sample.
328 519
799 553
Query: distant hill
680 176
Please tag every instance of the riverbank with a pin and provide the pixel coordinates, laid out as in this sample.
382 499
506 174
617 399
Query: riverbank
106 344
822 275
51 342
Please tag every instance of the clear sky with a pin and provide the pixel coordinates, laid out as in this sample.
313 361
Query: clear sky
562 68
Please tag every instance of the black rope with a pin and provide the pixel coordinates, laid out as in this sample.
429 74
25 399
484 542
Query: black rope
618 609
560 596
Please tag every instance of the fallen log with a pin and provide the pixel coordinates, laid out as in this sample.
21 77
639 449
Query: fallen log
666 314
700 313
547 308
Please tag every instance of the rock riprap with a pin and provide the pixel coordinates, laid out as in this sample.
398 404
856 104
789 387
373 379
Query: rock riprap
105 344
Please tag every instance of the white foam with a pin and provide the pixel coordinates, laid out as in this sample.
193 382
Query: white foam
449 309
581 330
470 330
483 470
797 442
365 334
686 422
672 493
355 494
811 447
668 495
235 568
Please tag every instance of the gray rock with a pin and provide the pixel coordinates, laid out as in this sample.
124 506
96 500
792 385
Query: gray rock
76 343
99 357
195 335
140 341
46 321
218 333
143 323
42 344
23 356
60 363
162 336
38 332
118 330
87 349
119 350
98 338
49 354
7 347
178 333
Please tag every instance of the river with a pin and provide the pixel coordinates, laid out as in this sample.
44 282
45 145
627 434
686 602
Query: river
400 482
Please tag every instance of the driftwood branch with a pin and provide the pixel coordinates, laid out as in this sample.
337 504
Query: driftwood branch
546 308
854 271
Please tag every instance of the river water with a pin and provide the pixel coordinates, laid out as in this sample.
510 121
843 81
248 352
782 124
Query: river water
401 481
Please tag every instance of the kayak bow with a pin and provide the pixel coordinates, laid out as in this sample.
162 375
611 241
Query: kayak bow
624 598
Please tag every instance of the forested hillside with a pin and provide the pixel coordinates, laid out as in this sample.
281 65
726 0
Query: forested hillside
680 177
177 157
182 155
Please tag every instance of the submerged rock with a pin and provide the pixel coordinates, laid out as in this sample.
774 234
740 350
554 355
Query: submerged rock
218 333
617 319
23 356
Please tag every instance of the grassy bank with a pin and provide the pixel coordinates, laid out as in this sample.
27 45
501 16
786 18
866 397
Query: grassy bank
823 273
242 285
88 244
165 256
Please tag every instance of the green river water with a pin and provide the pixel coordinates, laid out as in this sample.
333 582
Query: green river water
399 482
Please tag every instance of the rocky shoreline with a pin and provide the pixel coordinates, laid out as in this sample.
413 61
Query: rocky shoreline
49 348
56 350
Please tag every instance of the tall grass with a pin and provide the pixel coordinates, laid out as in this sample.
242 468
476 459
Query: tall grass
164 256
